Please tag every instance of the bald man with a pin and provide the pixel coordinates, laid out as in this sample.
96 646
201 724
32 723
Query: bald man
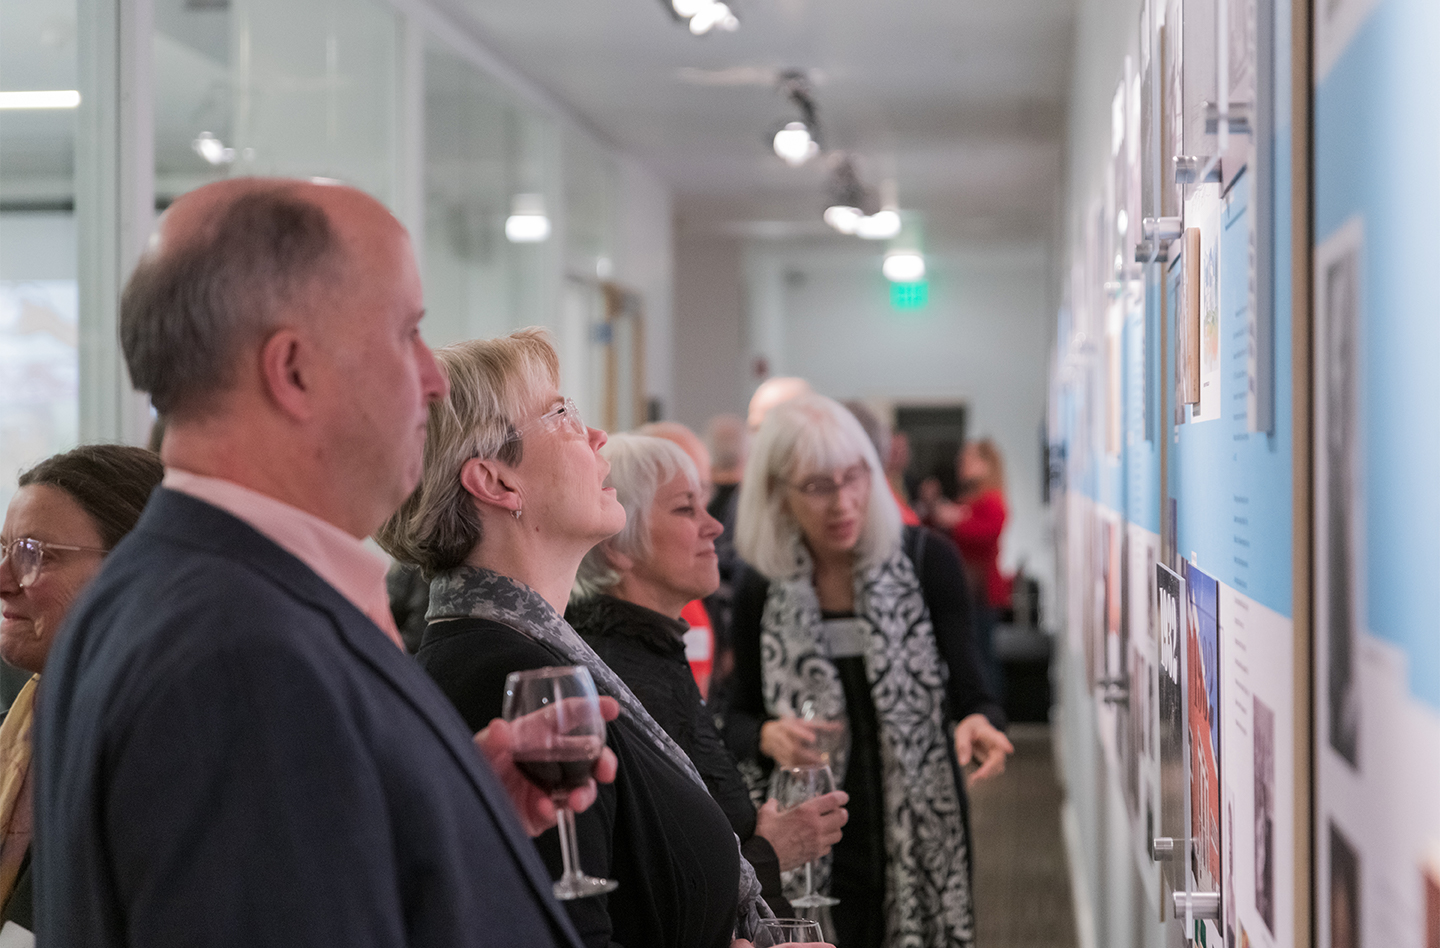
232 747
772 392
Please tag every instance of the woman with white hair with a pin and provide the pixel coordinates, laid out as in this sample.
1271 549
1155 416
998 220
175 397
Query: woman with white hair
850 615
511 498
629 595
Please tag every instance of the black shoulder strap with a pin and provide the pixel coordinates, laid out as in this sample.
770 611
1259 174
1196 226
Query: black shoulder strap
914 541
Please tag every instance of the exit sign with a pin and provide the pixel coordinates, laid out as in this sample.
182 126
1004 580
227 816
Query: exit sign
910 295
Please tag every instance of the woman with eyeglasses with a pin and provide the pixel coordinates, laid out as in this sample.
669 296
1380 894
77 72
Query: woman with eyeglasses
69 512
511 499
846 616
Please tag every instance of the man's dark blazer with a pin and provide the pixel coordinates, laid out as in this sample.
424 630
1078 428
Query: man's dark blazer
230 753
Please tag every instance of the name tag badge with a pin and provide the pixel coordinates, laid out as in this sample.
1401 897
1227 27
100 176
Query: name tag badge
845 638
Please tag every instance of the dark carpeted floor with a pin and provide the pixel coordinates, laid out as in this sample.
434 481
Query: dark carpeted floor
1022 878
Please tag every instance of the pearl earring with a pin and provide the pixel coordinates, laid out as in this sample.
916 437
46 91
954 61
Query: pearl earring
516 513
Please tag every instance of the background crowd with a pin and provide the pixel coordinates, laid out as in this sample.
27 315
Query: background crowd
250 732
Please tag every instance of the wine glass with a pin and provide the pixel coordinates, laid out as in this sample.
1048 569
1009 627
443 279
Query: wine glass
831 733
558 736
792 787
786 931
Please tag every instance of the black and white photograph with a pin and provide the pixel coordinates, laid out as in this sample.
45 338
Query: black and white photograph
1263 731
1344 891
1338 501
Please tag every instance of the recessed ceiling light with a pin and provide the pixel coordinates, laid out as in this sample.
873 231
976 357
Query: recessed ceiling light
40 99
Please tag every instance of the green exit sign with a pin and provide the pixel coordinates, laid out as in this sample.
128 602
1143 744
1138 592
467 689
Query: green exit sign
910 295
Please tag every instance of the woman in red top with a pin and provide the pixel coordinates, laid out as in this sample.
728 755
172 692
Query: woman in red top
975 523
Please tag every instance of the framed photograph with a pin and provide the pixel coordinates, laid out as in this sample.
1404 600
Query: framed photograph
1202 718
1202 328
1169 609
1239 86
1187 322
1172 104
1338 527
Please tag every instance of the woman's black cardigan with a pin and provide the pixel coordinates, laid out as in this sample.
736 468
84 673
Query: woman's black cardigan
654 830
646 650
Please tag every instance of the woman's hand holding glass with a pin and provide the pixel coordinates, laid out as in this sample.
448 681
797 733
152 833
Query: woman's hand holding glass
793 787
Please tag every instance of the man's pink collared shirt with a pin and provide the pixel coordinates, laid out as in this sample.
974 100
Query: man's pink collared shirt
334 555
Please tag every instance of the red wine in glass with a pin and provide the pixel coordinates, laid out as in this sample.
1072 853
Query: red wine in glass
565 767
558 733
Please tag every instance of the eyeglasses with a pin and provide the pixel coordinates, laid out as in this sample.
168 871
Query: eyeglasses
27 554
563 415
824 487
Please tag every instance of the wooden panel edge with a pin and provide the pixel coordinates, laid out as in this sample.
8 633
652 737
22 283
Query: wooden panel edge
1302 441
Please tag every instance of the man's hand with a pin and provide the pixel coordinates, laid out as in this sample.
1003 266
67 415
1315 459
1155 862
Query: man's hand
790 742
979 740
534 806
805 832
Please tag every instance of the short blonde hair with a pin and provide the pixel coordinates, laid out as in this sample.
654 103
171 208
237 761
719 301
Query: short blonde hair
493 382
639 466
807 434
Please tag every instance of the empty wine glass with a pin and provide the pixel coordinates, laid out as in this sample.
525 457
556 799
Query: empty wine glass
831 730
787 931
792 787
558 736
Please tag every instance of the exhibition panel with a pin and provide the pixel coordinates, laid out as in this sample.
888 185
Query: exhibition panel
1171 407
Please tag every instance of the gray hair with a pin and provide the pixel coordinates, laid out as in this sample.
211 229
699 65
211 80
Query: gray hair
492 384
639 466
804 435
188 310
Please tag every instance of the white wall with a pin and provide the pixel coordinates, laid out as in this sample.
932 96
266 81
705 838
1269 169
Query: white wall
644 260
710 353
823 312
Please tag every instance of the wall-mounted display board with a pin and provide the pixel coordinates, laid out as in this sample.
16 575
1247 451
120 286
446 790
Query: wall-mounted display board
1376 454
1171 406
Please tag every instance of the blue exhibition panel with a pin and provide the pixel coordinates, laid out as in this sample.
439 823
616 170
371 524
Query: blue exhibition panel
1377 168
1233 486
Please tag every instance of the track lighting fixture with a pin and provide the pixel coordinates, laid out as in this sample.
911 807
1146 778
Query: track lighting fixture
798 141
705 15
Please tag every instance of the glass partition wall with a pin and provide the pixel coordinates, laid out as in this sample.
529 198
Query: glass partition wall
39 302
512 206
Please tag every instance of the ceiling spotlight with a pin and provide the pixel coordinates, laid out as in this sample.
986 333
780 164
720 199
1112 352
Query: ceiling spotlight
527 223
844 218
882 225
903 266
212 149
795 144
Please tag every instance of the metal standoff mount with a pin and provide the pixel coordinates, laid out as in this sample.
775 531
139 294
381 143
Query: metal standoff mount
1188 169
1116 690
1237 117
1145 250
1162 228
1203 906
1162 848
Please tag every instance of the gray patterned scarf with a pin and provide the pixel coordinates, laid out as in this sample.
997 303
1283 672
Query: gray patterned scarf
485 594
927 896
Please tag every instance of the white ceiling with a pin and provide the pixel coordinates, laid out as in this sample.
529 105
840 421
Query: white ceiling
961 102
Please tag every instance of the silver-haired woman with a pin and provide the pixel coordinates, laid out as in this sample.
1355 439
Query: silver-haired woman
849 614
512 497
630 593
